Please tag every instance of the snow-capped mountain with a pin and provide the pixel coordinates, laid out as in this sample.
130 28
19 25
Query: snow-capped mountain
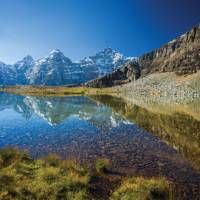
7 74
57 69
23 68
106 61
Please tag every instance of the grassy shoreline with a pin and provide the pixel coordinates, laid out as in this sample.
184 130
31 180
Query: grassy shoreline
158 86
22 177
57 90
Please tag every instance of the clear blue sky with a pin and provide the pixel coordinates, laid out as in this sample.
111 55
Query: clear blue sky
82 27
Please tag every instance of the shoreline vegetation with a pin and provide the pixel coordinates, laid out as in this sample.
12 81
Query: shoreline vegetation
56 90
22 177
162 87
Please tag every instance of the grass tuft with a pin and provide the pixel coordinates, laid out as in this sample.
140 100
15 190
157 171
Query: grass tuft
144 189
102 164
52 160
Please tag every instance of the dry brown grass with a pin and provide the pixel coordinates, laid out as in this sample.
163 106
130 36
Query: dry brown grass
56 90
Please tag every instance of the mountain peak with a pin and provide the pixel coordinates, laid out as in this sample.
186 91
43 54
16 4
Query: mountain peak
26 61
28 58
2 63
55 52
108 50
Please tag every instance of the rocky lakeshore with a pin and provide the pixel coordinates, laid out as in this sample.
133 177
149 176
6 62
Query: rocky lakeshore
163 87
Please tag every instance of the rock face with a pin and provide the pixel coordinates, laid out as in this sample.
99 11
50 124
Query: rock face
57 69
129 72
7 74
17 73
181 55
23 68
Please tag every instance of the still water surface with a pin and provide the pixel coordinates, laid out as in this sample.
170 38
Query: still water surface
137 140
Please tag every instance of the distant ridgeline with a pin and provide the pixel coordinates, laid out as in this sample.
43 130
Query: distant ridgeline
107 67
57 69
181 55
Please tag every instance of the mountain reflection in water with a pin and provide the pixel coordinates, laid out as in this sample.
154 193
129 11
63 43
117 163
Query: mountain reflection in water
55 110
178 129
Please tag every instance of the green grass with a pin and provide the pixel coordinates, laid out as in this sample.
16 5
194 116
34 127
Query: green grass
102 164
144 189
51 178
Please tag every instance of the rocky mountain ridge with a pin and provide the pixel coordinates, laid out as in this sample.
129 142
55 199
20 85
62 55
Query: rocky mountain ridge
129 72
57 69
181 55
7 74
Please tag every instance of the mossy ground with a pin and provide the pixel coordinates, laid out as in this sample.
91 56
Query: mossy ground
51 178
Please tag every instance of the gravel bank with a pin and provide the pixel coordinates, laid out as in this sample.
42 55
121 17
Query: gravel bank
163 87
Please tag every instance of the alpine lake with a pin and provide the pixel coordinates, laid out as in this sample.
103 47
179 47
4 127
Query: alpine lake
150 140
